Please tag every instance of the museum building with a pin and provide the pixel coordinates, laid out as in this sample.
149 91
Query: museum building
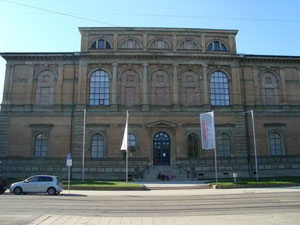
164 77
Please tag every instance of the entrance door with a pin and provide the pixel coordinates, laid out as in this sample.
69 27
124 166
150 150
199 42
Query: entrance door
161 149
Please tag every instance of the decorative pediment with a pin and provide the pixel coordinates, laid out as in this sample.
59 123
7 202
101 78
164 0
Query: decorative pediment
161 124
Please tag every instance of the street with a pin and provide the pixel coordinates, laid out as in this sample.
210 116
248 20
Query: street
271 203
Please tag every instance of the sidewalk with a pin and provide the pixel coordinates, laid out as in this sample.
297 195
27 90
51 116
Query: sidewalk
244 219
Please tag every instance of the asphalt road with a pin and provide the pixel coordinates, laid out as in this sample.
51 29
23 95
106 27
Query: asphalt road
26 208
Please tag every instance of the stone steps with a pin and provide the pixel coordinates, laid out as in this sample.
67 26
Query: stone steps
166 172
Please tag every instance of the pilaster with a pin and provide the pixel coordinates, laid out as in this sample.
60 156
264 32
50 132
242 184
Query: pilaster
205 84
59 84
175 88
203 42
114 106
257 89
29 91
82 80
283 90
145 106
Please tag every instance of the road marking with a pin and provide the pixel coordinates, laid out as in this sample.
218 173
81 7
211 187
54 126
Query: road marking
69 203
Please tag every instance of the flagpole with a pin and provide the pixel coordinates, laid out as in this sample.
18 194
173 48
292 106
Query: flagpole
83 143
215 149
254 142
127 165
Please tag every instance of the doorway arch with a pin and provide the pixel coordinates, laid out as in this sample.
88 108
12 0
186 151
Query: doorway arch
161 149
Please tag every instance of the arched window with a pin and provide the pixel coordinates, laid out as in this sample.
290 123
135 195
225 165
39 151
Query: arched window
160 43
99 88
188 44
190 88
160 88
223 145
193 145
270 91
97 144
40 145
130 88
101 44
132 145
275 143
219 88
131 43
216 46
45 85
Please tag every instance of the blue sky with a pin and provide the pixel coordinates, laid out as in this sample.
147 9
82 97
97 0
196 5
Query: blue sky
265 27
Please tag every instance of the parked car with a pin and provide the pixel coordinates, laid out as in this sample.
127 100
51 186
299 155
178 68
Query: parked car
3 185
38 184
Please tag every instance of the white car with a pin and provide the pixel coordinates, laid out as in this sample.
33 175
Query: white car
38 184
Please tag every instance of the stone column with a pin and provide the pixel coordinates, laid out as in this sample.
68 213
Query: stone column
29 91
175 88
282 87
145 106
114 87
205 85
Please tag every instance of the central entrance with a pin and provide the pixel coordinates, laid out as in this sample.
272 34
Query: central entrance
161 149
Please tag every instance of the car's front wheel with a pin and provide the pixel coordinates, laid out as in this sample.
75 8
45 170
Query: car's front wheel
18 190
51 191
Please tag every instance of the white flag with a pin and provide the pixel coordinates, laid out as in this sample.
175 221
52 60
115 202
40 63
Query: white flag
125 137
207 130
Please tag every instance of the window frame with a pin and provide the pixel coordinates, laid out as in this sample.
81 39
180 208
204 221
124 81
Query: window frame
99 80
211 46
227 152
41 142
99 154
218 89
107 45
194 153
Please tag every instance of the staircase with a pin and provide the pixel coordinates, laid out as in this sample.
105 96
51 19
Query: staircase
166 173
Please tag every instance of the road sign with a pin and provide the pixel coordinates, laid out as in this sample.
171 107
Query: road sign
69 160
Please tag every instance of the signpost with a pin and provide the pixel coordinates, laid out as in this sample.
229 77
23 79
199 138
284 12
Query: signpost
69 164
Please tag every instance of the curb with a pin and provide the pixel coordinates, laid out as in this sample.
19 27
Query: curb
86 188
254 185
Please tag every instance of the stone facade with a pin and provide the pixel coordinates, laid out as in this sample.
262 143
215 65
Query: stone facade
164 77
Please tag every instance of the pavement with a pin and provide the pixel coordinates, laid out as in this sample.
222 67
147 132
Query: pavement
166 190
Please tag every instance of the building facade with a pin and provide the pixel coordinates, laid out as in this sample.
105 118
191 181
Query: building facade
164 77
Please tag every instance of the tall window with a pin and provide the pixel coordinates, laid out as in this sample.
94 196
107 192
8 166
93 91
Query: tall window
216 46
193 145
97 146
40 145
101 44
275 143
99 88
131 147
270 91
219 88
223 145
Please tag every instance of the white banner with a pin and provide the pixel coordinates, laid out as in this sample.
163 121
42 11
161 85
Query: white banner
207 130
125 137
